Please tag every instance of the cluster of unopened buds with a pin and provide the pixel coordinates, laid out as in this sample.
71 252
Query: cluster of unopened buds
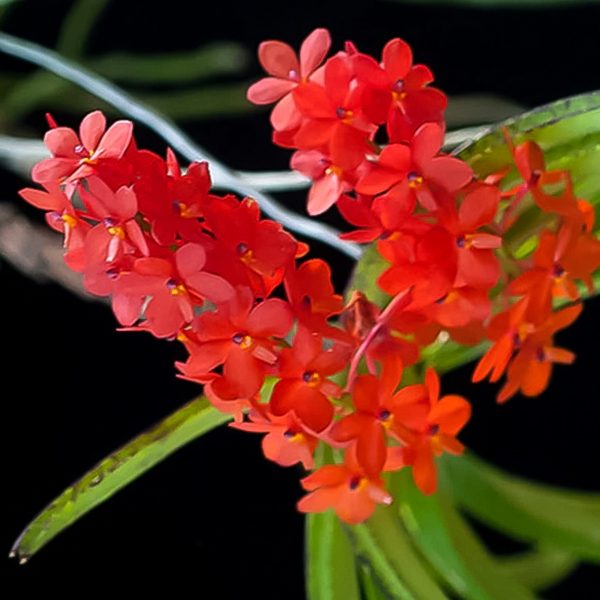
266 334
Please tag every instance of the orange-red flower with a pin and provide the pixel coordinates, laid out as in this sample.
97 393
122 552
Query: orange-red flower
346 488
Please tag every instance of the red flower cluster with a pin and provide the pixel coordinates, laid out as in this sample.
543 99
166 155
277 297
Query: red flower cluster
183 263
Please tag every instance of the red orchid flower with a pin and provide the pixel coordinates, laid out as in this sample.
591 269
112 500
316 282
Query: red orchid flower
239 336
396 92
287 442
76 157
435 424
416 170
303 388
118 232
287 72
346 488
175 286
62 217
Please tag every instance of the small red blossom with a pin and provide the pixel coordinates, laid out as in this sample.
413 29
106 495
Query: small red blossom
287 72
345 488
76 157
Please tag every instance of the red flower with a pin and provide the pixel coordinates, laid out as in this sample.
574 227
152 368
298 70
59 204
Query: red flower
346 488
477 264
175 286
396 92
374 401
417 170
239 337
287 72
117 231
286 442
438 421
61 217
333 117
303 388
247 250
530 370
310 292
74 159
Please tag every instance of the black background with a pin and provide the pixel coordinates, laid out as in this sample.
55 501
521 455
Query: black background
216 512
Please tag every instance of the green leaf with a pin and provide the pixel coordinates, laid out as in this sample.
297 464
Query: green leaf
223 58
528 511
331 572
365 274
383 543
540 568
567 130
330 564
116 471
450 545
369 584
77 26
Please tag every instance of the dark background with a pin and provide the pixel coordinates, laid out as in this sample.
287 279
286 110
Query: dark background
216 512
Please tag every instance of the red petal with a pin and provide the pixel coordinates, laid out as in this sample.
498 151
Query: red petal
91 129
278 59
190 259
272 317
116 140
479 208
426 143
268 90
313 51
285 116
397 58
324 194
210 286
53 169
450 173
365 394
451 413
62 142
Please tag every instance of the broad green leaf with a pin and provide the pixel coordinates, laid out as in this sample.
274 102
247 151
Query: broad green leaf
530 512
224 58
540 568
568 131
383 542
116 471
331 568
450 545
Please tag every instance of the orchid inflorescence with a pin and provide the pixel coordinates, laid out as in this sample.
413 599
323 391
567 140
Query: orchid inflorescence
256 320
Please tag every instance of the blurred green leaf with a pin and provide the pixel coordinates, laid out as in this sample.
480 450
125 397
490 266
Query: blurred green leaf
223 58
116 471
540 568
77 26
331 568
331 572
530 512
450 545
369 584
383 542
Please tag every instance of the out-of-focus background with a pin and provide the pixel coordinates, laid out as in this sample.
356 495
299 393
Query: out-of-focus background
74 389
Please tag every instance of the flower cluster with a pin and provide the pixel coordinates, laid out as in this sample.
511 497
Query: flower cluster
185 264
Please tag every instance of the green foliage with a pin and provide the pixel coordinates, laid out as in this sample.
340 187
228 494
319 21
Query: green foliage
116 471
527 511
